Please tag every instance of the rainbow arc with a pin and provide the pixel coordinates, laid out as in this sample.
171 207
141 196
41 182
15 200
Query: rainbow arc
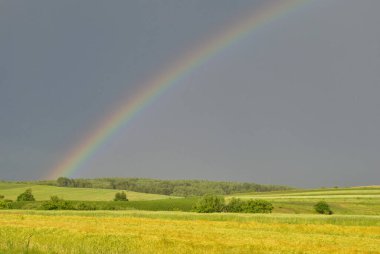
160 83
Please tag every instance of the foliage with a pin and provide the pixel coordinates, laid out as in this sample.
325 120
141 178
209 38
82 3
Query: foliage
1 196
209 204
64 182
212 204
56 203
175 204
26 196
322 208
257 206
183 188
5 204
120 196
85 206
234 206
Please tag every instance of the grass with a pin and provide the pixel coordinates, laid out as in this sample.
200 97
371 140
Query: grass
347 201
181 232
357 200
176 204
44 192
330 192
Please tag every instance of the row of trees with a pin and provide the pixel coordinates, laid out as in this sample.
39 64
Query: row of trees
217 204
182 188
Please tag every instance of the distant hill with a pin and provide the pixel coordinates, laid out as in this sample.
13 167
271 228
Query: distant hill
43 192
182 188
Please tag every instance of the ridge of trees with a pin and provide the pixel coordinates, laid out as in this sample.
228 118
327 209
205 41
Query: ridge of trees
182 188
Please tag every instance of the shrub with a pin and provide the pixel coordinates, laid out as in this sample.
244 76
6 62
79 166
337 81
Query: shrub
26 196
1 196
209 204
120 196
5 204
85 206
55 199
234 206
56 203
322 208
257 206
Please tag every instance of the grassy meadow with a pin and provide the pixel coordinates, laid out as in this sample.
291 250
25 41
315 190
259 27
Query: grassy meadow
44 192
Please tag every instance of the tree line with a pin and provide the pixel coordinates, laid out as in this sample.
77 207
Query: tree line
183 188
217 204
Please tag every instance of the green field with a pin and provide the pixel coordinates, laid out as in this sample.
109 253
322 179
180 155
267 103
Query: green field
44 192
169 204
349 201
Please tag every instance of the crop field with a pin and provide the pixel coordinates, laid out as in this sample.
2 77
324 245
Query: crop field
180 232
165 225
349 201
44 192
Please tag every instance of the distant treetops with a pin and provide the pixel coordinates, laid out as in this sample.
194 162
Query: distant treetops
181 188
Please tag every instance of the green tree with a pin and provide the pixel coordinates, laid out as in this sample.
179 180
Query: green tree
64 182
209 204
322 208
26 196
120 196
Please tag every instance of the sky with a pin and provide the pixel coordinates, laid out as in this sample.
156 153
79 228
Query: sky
295 102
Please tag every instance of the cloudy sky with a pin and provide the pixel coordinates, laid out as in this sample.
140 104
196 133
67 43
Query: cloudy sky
295 102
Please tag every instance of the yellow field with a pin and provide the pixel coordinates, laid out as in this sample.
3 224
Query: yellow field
179 232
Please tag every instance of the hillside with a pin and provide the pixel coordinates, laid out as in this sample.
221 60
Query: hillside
44 192
355 200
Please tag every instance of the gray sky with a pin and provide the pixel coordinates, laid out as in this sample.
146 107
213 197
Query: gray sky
295 103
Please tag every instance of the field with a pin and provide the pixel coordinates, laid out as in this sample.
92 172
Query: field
349 201
44 192
293 227
179 232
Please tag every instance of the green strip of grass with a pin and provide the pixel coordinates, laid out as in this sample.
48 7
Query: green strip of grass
175 204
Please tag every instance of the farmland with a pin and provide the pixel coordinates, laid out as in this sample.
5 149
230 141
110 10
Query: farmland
179 232
151 223
44 192
348 201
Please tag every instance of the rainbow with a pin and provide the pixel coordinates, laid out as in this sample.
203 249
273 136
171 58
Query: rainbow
164 80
